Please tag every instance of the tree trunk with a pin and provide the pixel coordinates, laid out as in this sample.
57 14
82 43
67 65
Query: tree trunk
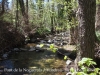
27 20
97 23
73 35
52 19
74 28
3 7
24 13
86 13
16 16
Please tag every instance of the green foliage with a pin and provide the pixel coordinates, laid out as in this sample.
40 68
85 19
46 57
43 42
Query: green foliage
53 48
96 70
40 13
6 17
74 4
41 45
98 34
84 66
97 1
87 62
72 70
65 57
43 30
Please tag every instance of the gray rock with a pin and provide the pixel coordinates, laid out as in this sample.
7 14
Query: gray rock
42 41
49 41
46 55
55 41
40 50
69 73
38 46
68 62
23 49
37 50
9 52
52 55
47 45
16 49
5 55
31 46
58 39
32 49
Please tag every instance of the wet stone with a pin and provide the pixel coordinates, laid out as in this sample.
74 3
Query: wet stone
40 50
50 41
68 62
38 46
47 45
32 49
5 56
16 49
42 41
23 49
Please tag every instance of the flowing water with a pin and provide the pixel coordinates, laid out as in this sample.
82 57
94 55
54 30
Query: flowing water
32 60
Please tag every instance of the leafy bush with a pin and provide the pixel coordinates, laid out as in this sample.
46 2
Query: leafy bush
86 67
98 34
53 48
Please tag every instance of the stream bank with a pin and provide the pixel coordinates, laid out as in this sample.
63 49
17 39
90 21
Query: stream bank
32 57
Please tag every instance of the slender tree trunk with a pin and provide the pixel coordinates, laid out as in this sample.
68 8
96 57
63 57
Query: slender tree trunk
86 12
3 7
52 19
73 29
71 39
24 13
16 16
73 33
40 11
97 23
27 20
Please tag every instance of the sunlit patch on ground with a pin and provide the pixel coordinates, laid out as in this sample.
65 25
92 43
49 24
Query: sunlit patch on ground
69 47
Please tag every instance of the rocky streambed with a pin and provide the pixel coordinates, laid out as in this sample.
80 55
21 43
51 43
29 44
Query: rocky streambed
32 59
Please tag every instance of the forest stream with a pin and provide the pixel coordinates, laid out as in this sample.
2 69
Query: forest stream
31 59
49 37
